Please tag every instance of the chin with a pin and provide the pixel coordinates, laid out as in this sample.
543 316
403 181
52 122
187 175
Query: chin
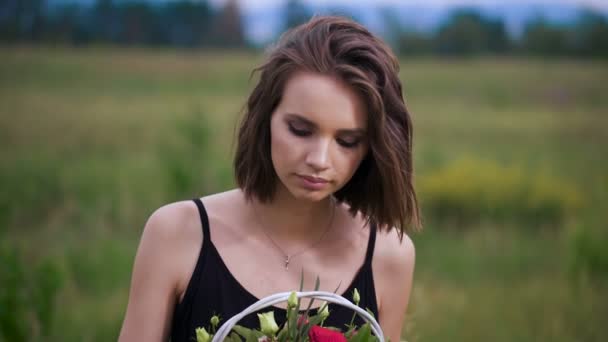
308 195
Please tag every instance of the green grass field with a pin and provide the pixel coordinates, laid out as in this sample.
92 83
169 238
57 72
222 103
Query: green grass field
511 167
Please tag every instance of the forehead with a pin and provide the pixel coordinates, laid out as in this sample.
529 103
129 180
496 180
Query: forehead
324 100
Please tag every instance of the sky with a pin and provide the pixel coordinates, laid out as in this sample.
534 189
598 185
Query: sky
263 18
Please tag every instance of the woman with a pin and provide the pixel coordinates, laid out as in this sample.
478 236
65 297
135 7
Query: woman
324 173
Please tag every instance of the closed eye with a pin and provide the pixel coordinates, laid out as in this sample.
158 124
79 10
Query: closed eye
298 131
303 128
348 143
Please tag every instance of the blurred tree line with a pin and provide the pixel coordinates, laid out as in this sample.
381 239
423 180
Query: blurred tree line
468 32
176 23
188 23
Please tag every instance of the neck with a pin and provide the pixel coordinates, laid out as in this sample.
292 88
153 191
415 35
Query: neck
289 219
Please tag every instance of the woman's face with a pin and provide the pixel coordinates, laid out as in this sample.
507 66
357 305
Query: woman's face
318 135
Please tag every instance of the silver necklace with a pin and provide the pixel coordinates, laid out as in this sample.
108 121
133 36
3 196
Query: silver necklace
288 257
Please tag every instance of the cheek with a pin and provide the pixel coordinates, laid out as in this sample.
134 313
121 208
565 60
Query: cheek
349 162
283 148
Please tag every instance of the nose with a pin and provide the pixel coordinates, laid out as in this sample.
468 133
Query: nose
318 155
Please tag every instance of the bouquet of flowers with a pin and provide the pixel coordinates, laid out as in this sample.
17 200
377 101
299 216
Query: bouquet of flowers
298 327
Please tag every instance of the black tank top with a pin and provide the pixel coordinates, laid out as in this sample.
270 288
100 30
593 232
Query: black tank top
214 290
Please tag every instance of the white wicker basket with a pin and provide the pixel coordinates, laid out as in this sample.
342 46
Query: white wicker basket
276 298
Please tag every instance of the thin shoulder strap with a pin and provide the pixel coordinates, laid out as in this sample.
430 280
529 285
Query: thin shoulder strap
204 219
371 244
187 301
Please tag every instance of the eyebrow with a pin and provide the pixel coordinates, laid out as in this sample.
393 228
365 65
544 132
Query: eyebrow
310 123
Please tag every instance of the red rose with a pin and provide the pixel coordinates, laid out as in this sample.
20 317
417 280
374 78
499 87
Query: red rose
320 334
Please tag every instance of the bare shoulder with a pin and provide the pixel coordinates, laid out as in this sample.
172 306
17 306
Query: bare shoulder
225 212
394 254
178 221
393 264
172 236
227 202
165 257
183 217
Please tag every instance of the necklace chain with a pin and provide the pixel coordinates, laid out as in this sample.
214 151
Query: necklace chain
288 257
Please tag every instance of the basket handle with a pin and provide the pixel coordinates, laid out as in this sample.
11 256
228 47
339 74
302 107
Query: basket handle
276 298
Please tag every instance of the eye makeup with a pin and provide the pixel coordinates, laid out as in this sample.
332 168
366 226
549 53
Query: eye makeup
298 129
350 142
301 127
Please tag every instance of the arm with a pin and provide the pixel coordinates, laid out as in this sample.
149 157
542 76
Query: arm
395 270
156 272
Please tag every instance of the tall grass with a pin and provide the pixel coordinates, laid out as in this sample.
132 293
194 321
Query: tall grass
93 140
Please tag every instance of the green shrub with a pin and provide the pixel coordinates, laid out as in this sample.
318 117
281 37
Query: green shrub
27 298
100 267
468 191
185 159
31 186
587 251
13 326
35 187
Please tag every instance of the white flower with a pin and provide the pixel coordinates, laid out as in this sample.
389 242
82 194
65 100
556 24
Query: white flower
268 326
292 301
324 311
214 321
356 297
202 335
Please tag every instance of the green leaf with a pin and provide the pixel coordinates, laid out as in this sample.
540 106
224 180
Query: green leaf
312 300
241 330
315 320
234 337
370 312
348 334
248 334
337 287
293 324
251 338
283 334
303 333
363 334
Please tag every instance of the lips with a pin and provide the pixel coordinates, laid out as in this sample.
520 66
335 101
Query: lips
313 183
314 180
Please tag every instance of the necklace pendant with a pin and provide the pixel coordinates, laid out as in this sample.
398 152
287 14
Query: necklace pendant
286 262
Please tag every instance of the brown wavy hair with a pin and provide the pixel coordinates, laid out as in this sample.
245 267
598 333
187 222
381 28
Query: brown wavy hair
382 187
